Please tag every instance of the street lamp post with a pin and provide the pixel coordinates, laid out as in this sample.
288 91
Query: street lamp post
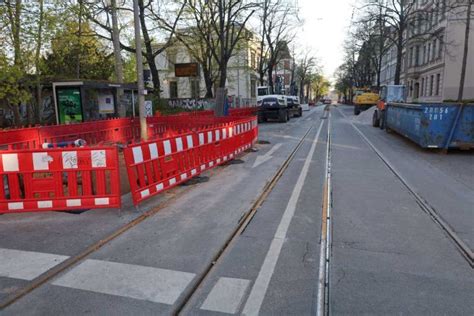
140 83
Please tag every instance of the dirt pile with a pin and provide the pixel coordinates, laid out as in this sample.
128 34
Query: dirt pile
365 117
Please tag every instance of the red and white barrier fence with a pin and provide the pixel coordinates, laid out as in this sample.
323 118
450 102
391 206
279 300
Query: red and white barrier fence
59 179
155 166
73 178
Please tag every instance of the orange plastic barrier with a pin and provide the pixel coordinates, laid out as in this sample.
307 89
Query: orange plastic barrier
157 165
59 179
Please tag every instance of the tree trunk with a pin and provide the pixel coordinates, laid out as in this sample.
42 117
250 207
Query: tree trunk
465 53
118 58
302 87
308 88
208 81
79 46
16 28
270 79
149 56
39 43
16 115
398 66
222 75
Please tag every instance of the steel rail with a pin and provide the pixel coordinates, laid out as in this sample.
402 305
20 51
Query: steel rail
322 307
244 222
462 247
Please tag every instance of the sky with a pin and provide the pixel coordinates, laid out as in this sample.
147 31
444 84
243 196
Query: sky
324 30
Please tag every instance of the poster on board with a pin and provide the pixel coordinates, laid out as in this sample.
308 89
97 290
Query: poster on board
106 103
69 105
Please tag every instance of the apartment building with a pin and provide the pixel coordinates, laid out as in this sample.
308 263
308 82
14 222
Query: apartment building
242 75
432 56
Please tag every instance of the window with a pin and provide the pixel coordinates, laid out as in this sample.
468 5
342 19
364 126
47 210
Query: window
194 82
417 55
443 9
173 90
424 55
252 60
253 88
411 58
428 57
438 84
422 86
431 85
171 59
440 46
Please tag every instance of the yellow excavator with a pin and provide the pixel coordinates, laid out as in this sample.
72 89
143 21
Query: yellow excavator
363 99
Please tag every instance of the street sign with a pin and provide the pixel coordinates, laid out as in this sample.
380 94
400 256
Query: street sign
186 70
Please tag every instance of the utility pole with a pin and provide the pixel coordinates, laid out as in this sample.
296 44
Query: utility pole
140 83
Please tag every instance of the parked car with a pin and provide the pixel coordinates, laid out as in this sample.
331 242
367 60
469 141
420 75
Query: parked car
327 101
305 107
274 107
294 106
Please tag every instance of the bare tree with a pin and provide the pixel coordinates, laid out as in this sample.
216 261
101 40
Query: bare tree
406 22
161 17
306 65
198 38
278 18
372 35
227 20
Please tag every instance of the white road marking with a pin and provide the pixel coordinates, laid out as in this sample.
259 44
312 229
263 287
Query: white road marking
259 289
226 295
127 280
267 156
26 265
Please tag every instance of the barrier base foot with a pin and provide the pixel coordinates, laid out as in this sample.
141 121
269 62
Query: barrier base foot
195 180
263 142
251 150
76 212
234 162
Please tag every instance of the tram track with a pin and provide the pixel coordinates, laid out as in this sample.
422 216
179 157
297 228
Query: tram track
240 228
322 302
460 245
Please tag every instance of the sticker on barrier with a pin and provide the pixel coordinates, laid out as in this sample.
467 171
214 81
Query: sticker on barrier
59 179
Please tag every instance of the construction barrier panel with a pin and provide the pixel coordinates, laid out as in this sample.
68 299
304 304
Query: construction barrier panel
20 138
96 132
120 130
158 165
59 179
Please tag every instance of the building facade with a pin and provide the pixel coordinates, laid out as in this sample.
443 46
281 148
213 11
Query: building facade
242 75
432 56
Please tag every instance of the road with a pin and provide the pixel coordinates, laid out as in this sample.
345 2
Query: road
250 237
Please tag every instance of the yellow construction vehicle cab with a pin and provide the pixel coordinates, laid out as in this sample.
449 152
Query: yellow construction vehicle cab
364 99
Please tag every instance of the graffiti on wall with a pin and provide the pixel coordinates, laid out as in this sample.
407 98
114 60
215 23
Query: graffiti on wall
192 104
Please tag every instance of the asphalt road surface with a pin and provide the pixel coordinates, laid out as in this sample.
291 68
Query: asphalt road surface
312 222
